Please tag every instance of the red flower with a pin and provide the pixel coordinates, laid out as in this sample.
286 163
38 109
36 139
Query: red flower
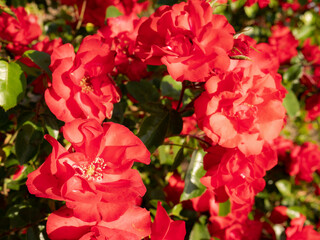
242 108
174 189
163 228
283 147
134 224
236 225
96 180
279 215
263 54
240 176
311 52
81 87
313 106
123 31
297 231
22 30
285 43
189 125
305 160
188 39
231 229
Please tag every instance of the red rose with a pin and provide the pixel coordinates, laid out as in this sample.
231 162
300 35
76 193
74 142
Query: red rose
297 231
311 52
313 106
279 215
110 141
163 228
283 147
242 108
22 30
285 43
236 225
263 55
188 39
98 182
123 31
240 176
81 87
174 189
134 223
305 160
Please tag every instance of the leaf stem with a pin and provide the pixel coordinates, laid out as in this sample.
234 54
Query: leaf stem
84 4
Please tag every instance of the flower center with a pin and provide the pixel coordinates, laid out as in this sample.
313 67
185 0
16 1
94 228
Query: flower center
86 85
92 171
181 45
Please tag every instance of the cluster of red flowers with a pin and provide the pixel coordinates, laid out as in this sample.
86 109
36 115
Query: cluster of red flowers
94 176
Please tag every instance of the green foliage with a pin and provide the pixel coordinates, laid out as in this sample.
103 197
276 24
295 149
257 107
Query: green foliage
291 104
12 84
156 127
28 142
42 59
112 11
193 187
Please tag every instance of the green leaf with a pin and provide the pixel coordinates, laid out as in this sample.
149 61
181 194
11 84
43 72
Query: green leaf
178 159
28 141
176 210
12 84
143 91
291 104
193 187
305 31
52 126
153 131
168 154
294 72
224 208
155 128
284 187
112 11
153 107
170 87
175 123
41 59
293 213
199 232
6 9
303 2
252 11
33 233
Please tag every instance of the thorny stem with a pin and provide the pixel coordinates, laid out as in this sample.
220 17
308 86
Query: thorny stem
81 15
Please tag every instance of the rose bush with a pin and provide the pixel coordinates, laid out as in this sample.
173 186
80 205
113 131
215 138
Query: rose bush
159 120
